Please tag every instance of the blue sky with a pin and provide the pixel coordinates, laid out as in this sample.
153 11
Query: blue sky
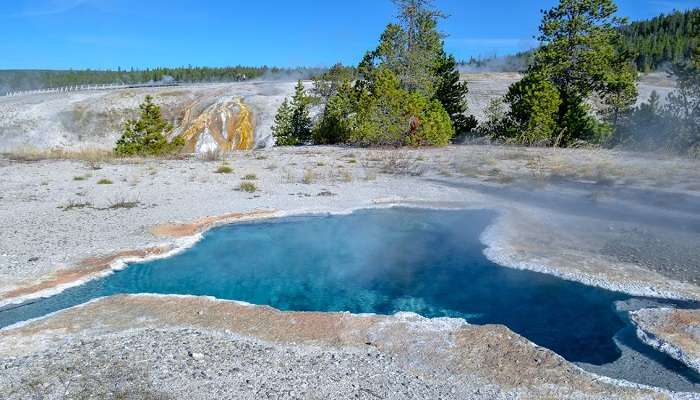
98 34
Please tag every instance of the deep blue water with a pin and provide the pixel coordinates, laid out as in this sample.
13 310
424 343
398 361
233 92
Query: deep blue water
376 261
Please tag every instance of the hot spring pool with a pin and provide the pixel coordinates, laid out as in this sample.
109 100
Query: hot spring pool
429 262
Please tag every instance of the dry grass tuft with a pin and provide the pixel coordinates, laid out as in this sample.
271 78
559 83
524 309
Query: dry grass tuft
91 155
400 163
248 187
309 177
346 176
122 203
224 169
75 205
211 155
104 181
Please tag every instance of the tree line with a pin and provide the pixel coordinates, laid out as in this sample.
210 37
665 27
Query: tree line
579 89
654 44
11 80
666 39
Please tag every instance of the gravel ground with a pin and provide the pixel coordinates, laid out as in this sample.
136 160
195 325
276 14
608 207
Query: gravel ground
168 363
154 347
676 332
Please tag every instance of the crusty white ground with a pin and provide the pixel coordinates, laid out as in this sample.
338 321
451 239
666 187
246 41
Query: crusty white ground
621 221
570 213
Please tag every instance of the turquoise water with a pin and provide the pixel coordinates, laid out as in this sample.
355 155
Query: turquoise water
376 261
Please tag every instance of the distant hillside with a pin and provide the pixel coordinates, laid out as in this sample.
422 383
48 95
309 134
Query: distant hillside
11 80
662 40
511 63
656 42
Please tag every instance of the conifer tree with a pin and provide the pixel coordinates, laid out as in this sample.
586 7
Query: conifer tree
293 122
282 128
580 55
148 134
452 93
301 119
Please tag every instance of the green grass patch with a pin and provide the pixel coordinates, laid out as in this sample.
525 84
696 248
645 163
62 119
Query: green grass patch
248 187
224 169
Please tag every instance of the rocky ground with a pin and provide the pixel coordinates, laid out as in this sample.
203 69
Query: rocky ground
617 220
156 347
676 332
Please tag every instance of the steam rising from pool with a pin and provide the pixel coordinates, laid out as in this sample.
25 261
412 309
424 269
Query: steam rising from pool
429 262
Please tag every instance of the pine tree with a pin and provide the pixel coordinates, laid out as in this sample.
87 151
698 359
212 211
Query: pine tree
148 134
293 122
301 120
580 55
282 129
410 48
407 90
452 93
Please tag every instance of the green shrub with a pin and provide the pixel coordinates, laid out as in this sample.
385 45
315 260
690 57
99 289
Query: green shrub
434 125
534 102
104 181
389 115
335 124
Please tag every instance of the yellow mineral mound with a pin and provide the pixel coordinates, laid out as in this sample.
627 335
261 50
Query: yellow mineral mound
223 126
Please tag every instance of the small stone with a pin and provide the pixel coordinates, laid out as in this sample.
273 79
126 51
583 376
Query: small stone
196 356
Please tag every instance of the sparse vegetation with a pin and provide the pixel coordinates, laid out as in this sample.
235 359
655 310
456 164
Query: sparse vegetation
248 187
399 163
287 176
122 203
345 175
80 178
91 155
224 169
250 177
309 177
104 181
211 155
75 205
